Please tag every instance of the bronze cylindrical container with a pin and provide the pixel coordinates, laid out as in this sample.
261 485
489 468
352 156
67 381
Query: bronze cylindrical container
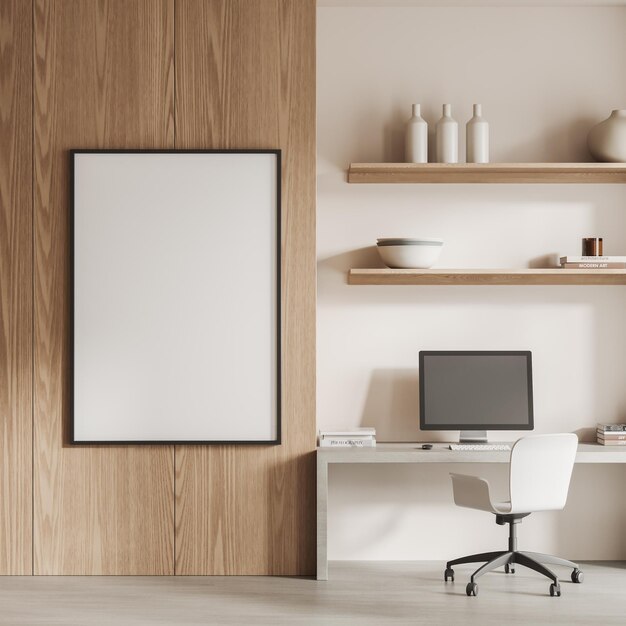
592 246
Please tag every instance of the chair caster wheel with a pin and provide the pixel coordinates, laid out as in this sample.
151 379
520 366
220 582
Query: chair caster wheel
448 574
577 576
471 589
509 569
555 590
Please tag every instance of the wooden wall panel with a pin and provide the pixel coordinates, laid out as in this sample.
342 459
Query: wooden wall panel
15 287
103 78
245 78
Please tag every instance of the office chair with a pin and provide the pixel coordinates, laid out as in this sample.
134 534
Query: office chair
539 476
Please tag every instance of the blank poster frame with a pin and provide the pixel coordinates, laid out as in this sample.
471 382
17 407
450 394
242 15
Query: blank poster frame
278 309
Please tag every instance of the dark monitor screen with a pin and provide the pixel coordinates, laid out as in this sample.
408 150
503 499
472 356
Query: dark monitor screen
476 390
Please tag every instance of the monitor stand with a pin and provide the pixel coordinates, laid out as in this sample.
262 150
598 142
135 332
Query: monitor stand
473 436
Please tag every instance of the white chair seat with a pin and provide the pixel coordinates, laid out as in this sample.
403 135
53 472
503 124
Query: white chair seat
540 470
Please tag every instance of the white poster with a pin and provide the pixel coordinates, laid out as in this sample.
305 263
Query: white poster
176 311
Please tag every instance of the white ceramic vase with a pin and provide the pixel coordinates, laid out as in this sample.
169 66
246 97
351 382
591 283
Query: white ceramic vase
477 138
416 138
447 132
607 140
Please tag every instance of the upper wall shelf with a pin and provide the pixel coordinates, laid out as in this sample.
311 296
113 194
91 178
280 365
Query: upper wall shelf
487 173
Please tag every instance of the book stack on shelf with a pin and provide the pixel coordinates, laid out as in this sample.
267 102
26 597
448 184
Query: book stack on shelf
611 434
593 262
356 438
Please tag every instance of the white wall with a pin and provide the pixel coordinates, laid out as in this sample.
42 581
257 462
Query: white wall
544 76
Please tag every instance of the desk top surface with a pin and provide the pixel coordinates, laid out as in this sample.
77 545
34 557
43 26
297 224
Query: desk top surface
440 453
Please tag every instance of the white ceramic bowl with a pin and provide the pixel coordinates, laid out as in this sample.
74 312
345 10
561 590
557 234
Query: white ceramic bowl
413 254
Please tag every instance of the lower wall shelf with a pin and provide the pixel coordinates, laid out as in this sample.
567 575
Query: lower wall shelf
555 276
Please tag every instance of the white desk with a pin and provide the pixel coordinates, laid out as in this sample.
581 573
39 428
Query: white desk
412 453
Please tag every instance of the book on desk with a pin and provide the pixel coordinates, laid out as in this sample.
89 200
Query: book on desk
611 434
353 438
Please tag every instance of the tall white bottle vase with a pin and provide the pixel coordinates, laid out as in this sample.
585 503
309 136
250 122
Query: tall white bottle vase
416 138
447 132
477 138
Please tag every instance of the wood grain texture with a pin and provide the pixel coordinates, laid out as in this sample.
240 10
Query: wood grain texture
15 287
487 173
556 276
245 78
103 78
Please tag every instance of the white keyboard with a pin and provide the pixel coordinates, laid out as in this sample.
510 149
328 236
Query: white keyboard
479 446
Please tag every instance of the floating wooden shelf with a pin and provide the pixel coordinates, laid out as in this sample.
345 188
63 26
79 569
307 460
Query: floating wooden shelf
487 173
554 276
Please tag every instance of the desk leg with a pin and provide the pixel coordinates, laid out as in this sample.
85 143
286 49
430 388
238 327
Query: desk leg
322 520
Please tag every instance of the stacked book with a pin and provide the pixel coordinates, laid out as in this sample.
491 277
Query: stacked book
356 438
593 262
611 434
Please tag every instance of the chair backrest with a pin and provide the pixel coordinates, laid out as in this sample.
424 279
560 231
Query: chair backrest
540 472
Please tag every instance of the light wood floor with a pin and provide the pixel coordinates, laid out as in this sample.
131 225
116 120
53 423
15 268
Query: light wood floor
357 593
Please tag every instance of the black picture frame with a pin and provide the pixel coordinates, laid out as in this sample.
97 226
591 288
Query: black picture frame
279 357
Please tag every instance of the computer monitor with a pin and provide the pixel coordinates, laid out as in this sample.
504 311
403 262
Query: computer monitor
475 391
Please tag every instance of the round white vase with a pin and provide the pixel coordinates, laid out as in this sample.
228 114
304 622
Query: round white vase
416 141
607 140
447 137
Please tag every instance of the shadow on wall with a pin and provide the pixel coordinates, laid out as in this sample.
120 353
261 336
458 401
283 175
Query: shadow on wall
364 150
394 150
332 271
586 435
392 407
564 143
367 257
545 260
392 404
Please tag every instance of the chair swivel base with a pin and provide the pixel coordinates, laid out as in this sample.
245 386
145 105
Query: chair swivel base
509 558
530 560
